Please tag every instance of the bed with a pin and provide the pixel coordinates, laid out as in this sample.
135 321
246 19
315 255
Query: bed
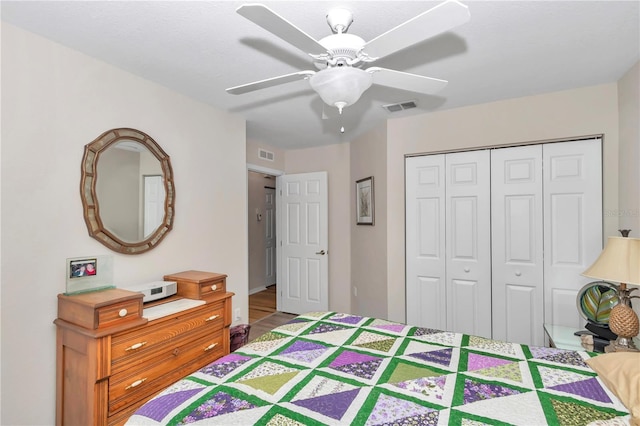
334 368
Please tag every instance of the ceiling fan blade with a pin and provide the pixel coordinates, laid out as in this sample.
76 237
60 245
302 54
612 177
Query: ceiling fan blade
269 82
406 81
439 19
269 20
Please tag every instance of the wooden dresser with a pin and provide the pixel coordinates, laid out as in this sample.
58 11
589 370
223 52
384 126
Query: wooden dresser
111 359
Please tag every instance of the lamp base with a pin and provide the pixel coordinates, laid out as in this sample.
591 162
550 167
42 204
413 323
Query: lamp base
621 344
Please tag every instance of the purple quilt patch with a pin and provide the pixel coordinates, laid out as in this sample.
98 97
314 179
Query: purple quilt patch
350 357
225 365
332 405
396 328
442 357
365 370
347 319
216 405
474 391
326 328
302 345
159 407
589 388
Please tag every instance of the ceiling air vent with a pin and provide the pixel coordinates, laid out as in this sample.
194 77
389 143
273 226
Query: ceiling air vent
265 155
401 106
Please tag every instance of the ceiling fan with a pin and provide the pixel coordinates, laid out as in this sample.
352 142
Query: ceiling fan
342 59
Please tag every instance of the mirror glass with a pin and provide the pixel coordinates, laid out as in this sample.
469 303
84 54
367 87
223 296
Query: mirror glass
127 191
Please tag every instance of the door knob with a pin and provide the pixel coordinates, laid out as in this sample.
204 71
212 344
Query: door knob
321 252
467 269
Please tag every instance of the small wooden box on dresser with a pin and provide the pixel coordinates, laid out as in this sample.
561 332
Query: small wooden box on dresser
111 359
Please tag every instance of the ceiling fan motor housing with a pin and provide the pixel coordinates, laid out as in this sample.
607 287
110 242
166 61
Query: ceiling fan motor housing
343 49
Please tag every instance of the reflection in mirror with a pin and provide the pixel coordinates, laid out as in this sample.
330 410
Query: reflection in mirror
129 187
127 191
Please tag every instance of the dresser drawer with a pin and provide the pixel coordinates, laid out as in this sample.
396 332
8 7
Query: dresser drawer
165 368
131 348
199 284
101 309
119 312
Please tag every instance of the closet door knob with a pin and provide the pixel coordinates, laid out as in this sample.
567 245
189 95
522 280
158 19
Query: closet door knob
518 273
467 269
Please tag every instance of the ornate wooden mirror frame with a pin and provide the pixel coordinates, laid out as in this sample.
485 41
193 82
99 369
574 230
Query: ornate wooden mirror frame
89 197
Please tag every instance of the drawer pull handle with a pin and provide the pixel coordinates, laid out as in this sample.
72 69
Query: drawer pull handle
136 346
214 287
211 346
136 383
212 317
123 313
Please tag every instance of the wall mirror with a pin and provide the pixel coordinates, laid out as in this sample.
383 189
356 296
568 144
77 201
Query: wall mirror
127 191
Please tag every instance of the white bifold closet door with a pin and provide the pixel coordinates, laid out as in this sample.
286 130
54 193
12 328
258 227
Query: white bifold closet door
517 247
573 235
448 242
468 242
496 239
426 290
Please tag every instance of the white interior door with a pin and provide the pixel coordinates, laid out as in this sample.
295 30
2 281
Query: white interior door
303 237
270 235
517 257
153 213
468 242
573 224
425 241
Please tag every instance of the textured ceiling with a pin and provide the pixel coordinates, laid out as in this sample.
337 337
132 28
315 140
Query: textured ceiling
508 49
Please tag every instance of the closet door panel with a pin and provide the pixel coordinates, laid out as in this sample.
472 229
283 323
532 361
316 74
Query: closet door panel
573 224
468 243
425 239
517 256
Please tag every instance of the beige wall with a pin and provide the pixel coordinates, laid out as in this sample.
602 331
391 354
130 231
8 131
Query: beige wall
369 243
252 155
628 100
566 114
333 159
628 103
54 101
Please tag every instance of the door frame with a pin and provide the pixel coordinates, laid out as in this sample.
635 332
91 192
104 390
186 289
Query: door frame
273 172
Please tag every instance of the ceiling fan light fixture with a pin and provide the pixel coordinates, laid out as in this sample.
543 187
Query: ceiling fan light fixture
341 86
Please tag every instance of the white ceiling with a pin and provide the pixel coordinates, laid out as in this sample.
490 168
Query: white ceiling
508 49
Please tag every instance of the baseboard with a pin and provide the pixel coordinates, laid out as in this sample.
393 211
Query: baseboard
257 290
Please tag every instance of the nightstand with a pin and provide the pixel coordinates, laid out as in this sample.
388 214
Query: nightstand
562 337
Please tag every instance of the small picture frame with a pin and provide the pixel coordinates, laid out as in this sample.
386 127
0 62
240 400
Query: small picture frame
365 201
89 273
83 267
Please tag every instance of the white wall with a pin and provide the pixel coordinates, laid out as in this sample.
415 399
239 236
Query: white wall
334 159
54 101
566 114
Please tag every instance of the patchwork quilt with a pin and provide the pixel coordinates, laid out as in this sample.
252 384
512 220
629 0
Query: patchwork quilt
328 368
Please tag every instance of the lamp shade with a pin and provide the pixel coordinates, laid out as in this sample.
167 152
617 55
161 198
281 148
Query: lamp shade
619 261
341 86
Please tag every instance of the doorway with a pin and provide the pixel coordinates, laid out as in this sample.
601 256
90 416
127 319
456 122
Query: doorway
261 215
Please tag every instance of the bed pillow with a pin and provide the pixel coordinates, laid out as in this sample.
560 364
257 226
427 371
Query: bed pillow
620 372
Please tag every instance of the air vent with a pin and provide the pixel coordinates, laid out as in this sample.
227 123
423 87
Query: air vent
265 155
401 106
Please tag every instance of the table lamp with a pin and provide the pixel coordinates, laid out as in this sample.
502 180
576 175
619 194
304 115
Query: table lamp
620 262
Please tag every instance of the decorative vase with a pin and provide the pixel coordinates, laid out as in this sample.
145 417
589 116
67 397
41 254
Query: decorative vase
623 320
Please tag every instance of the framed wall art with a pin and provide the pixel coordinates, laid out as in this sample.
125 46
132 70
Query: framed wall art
365 201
